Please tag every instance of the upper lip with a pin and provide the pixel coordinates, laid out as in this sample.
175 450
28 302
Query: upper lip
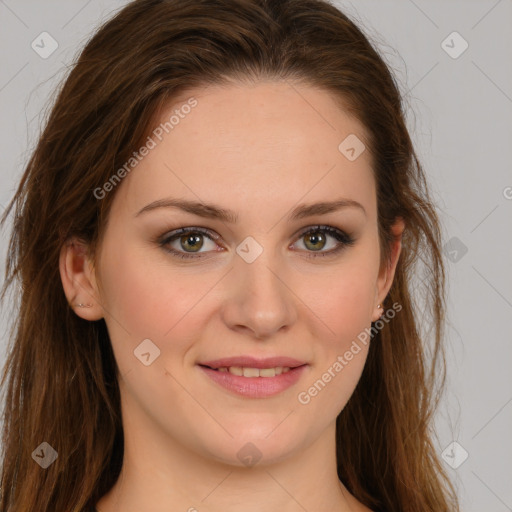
253 362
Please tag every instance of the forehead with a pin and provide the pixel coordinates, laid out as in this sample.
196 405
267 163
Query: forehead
250 148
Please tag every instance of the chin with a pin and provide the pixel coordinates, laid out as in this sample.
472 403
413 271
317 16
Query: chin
254 446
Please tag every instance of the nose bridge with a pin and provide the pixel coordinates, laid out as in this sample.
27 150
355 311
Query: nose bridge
258 267
259 298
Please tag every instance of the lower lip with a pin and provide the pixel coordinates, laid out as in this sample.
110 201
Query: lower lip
255 387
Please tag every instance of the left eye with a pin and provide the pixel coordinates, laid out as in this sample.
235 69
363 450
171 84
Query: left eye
187 237
314 238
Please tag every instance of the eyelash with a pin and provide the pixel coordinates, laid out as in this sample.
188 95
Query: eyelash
344 239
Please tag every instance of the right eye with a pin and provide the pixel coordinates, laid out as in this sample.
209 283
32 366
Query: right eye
187 238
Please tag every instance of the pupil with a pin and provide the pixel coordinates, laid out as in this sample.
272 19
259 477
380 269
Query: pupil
192 239
315 239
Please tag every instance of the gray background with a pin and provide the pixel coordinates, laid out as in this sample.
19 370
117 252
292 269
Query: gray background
460 118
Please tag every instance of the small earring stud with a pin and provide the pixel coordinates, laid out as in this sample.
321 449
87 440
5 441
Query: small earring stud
84 305
379 306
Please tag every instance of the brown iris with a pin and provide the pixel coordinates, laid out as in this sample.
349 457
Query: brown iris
195 241
315 237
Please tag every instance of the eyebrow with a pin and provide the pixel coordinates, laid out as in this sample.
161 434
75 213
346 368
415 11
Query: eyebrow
211 211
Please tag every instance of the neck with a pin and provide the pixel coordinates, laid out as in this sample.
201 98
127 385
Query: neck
159 474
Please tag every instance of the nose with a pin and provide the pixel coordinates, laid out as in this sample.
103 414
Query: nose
259 302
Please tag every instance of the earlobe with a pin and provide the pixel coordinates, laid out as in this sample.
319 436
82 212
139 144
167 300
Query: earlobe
388 273
78 280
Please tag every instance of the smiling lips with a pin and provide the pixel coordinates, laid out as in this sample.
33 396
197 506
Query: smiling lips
254 372
252 377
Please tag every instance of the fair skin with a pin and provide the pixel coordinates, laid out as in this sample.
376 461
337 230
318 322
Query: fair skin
258 150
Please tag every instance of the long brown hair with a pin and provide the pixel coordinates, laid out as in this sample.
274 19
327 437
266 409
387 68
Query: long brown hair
60 370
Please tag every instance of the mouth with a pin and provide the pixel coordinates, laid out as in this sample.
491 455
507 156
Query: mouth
252 377
253 362
244 371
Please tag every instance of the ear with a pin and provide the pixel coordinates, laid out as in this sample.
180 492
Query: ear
79 280
387 271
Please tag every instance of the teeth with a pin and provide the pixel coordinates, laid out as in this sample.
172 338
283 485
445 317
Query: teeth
236 370
251 372
255 372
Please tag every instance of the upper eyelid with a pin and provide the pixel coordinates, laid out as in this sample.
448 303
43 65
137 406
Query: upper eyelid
190 229
215 236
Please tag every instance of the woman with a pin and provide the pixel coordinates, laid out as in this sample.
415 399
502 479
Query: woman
215 239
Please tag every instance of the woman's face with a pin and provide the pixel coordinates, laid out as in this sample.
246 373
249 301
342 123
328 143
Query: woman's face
260 282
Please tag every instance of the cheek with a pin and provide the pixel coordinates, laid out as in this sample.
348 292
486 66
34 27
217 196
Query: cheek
345 303
146 297
333 380
341 355
345 308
